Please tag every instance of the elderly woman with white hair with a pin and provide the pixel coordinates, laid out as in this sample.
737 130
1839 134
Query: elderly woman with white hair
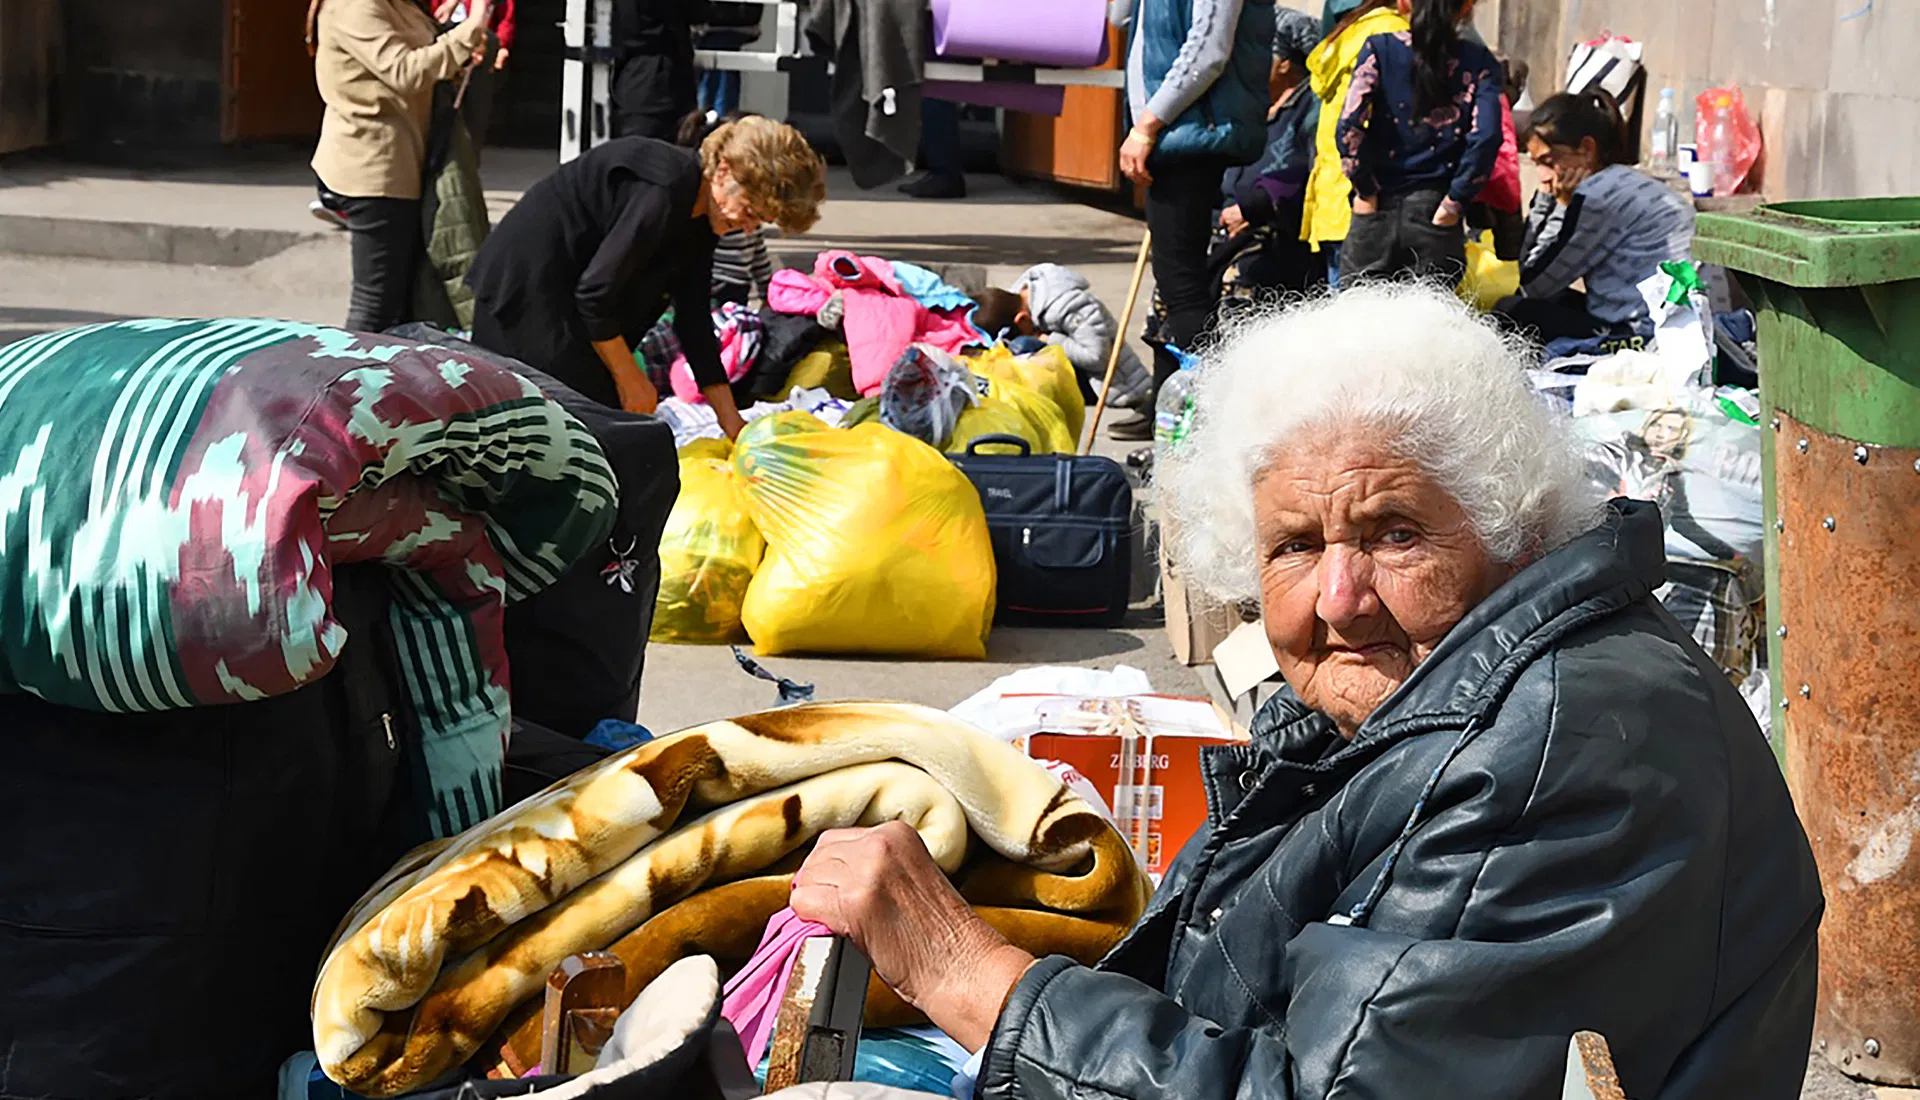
1503 798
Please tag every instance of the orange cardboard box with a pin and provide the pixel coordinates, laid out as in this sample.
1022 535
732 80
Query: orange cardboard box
1142 753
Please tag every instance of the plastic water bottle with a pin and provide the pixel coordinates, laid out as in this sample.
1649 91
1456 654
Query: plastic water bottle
1716 134
1173 409
1666 135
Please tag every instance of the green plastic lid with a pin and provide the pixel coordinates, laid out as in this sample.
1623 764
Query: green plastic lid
1817 243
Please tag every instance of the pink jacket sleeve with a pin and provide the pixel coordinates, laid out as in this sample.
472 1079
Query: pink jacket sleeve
796 292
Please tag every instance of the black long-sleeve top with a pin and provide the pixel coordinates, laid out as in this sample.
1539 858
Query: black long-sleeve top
603 245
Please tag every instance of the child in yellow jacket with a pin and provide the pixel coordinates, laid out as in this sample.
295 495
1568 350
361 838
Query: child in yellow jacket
1329 197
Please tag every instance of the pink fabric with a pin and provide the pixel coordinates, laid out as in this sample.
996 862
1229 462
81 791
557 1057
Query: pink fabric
1502 191
736 355
751 1000
880 321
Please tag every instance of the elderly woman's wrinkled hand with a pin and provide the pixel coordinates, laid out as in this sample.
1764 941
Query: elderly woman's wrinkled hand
882 889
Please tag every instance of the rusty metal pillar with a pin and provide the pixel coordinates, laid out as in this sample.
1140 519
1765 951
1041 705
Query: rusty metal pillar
1848 535
1836 288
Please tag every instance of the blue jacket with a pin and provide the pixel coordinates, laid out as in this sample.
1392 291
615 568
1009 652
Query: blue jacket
1230 118
1387 151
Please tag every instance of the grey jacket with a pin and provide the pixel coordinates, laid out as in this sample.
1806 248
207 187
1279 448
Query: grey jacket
1565 819
1616 231
1066 313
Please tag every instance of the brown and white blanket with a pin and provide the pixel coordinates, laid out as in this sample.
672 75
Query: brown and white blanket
683 846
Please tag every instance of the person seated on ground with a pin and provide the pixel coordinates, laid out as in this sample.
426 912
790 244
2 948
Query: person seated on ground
588 260
1257 251
1057 305
1502 798
1597 220
742 266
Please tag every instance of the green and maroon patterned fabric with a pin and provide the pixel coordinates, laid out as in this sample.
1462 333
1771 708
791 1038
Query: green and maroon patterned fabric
174 496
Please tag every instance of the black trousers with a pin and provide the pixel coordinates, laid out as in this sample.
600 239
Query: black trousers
1180 204
1401 240
548 341
387 247
651 94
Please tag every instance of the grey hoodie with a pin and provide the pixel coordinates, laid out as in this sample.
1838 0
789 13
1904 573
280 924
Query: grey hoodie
1066 313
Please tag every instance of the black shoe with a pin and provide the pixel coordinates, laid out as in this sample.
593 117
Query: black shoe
934 185
1137 428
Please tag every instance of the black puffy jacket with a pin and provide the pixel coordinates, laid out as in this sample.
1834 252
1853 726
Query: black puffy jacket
1565 819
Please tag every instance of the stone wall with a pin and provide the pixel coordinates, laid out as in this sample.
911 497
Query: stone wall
145 73
1834 84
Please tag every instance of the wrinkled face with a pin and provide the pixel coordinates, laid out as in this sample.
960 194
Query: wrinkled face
1365 564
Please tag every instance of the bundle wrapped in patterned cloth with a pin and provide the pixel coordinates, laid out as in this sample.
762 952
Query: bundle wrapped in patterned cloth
685 846
174 496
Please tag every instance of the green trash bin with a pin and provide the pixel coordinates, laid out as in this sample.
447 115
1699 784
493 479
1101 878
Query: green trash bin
1836 288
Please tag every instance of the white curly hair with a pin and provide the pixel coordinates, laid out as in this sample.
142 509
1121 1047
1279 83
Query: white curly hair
1409 362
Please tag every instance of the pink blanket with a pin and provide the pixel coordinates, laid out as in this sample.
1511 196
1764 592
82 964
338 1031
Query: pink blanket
881 320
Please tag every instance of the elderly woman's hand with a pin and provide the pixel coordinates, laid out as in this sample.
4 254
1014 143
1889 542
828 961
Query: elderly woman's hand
880 887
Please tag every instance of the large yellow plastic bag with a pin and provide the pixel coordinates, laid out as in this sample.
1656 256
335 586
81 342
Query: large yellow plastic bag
708 552
1489 278
992 416
1048 370
826 367
1034 418
876 544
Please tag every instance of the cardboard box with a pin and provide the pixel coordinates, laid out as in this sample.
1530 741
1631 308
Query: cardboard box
1142 753
1195 622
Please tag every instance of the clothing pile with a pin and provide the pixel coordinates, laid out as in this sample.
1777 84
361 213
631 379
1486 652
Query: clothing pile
684 846
255 645
1656 428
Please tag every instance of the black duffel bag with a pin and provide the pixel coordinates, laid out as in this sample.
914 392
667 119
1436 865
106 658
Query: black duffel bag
1062 529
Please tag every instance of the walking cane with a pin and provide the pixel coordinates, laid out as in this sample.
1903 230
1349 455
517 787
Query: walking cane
1120 340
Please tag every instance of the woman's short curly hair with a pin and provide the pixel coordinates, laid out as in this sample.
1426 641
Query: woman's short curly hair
774 165
1412 366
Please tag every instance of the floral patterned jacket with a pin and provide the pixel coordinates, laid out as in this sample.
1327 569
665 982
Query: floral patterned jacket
1388 151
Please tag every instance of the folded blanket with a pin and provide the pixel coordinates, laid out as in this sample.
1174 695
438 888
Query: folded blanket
174 496
459 935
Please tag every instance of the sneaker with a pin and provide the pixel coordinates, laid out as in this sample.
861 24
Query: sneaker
327 214
934 185
1137 428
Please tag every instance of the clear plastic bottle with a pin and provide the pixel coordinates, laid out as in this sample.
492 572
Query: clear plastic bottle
1173 408
1666 135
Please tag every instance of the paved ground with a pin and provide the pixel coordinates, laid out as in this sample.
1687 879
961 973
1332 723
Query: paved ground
1002 228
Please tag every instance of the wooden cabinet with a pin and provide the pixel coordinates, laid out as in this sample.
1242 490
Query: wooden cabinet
1081 146
29 35
268 87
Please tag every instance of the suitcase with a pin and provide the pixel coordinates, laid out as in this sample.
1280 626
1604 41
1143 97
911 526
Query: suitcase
1062 529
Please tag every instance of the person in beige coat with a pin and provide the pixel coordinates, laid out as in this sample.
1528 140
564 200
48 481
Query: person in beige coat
376 62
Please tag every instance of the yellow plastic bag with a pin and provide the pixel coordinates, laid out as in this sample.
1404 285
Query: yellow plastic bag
876 544
708 552
992 417
826 367
1048 370
1489 278
1011 408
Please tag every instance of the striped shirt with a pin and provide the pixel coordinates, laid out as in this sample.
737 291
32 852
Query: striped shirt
740 261
1619 227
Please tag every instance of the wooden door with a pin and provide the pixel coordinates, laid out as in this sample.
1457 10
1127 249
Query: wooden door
1082 145
29 34
269 89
